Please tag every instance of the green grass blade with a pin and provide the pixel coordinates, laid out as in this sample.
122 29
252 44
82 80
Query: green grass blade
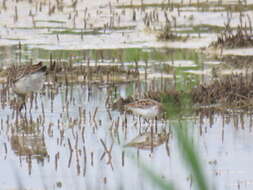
152 175
156 179
190 155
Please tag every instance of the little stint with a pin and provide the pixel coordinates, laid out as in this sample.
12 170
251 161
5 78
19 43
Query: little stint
28 79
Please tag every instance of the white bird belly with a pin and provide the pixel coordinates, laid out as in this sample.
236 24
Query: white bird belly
30 83
146 112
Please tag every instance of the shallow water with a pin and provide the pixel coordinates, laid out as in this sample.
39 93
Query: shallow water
46 160
69 137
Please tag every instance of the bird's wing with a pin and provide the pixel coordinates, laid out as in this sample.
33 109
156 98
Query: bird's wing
26 70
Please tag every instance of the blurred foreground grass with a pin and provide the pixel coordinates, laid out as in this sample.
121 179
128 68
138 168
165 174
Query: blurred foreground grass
189 153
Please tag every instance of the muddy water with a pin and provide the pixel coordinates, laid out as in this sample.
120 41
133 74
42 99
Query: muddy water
70 138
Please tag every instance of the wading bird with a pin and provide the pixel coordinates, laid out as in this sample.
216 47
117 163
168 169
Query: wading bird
26 80
146 108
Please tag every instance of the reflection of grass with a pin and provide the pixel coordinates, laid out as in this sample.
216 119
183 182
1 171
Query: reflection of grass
15 39
132 6
51 21
74 32
201 28
41 28
122 27
122 55
94 31
203 6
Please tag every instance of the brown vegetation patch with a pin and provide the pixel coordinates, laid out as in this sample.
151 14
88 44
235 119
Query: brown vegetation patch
167 34
64 72
238 61
232 90
229 39
97 74
158 95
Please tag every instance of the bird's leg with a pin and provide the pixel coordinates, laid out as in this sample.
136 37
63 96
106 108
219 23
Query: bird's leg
139 118
22 103
152 138
25 107
146 120
20 107
156 124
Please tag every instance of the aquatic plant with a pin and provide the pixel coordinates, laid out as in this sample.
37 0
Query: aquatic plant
230 38
232 91
167 33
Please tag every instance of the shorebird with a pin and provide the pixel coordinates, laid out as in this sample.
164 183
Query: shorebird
146 108
26 80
